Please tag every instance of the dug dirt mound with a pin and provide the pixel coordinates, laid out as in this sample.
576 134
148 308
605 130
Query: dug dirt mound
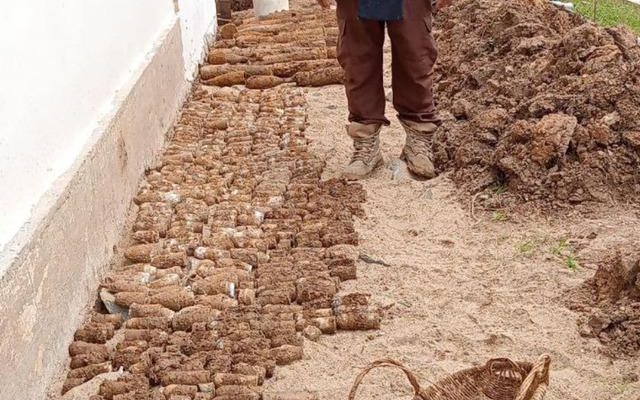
537 101
610 304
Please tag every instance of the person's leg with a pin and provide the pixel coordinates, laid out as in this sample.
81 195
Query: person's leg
414 55
360 54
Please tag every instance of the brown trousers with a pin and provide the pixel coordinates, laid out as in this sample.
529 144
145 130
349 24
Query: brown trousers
414 53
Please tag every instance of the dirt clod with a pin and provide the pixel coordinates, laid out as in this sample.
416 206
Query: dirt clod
610 305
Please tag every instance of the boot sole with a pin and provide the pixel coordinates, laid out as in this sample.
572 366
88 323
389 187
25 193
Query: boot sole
354 177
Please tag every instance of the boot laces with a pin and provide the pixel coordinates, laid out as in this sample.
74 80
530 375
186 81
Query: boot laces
364 149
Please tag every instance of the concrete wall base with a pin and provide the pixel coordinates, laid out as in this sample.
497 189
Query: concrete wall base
61 256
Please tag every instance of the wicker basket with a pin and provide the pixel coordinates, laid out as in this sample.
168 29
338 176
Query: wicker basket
498 379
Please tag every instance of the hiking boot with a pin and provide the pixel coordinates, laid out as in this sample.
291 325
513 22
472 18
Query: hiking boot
417 151
366 150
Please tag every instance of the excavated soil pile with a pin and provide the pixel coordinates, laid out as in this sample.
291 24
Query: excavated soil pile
290 46
610 302
539 101
238 251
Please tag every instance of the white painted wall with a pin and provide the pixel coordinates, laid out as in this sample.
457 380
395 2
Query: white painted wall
197 20
63 63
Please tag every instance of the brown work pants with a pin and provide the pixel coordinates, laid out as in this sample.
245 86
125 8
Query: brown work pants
414 53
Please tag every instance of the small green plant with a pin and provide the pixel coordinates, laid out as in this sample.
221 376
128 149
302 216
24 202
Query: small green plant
526 247
499 216
499 189
571 263
564 251
560 247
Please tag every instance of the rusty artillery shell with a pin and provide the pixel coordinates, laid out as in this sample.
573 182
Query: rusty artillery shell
184 377
150 310
113 319
287 338
174 299
80 348
312 333
126 299
169 260
269 327
140 253
301 324
148 323
208 253
224 57
70 383
228 79
161 273
214 287
237 391
286 37
154 337
128 355
82 360
227 31
327 325
219 240
166 280
251 370
89 371
279 309
208 387
182 390
146 237
287 354
246 296
255 359
252 40
217 302
318 53
226 379
323 77
249 256
94 333
343 269
234 275
185 318
358 320
275 297
121 285
263 82
310 289
343 251
208 72
109 389
224 44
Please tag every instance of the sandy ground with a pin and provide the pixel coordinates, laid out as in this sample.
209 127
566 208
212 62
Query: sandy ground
460 290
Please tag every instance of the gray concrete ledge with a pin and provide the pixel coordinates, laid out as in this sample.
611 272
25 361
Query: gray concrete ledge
55 263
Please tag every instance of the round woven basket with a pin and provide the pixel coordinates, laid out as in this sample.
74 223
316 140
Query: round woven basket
498 379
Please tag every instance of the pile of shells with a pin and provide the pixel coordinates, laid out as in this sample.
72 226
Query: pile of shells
237 253
289 46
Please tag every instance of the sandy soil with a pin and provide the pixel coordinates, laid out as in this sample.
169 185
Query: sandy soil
460 290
